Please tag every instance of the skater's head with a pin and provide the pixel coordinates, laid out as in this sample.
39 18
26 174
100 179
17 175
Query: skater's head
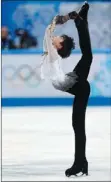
64 45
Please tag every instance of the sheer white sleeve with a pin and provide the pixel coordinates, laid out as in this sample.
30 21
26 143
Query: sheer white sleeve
48 45
52 60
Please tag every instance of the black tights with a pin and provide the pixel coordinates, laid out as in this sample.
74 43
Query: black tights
81 90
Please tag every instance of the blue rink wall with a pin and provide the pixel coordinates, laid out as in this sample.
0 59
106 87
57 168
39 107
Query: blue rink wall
31 102
20 88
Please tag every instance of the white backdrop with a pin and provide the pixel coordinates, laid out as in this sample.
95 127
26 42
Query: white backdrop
17 66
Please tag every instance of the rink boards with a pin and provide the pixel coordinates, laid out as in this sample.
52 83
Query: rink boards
20 85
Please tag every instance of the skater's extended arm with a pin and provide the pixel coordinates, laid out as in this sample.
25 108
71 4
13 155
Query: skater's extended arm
48 46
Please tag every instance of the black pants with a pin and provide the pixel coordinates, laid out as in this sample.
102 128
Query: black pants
81 90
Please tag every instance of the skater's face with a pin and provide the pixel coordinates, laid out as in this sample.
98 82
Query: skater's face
57 40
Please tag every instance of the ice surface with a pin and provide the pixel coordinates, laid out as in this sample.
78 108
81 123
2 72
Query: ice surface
38 144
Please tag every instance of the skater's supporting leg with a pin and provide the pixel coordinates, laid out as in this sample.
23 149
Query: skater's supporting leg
78 122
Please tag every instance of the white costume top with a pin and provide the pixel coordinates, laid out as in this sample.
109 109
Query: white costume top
51 66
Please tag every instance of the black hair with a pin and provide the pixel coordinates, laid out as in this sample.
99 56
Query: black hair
67 46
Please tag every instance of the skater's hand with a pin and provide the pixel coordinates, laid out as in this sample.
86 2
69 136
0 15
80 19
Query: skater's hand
59 20
73 15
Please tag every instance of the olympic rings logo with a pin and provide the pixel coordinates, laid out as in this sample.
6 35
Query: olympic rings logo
22 74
